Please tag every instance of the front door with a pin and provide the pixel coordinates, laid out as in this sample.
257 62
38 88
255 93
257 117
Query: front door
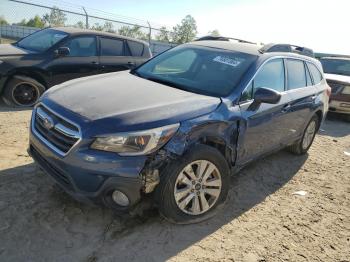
264 126
81 61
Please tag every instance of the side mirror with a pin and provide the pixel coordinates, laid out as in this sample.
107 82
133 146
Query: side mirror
62 51
267 95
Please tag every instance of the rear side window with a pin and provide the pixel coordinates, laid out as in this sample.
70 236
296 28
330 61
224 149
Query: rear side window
316 74
271 76
136 48
82 46
296 74
308 76
112 47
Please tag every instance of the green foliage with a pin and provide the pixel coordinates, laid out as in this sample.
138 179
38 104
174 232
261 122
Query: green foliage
80 25
108 27
55 18
215 32
163 35
36 22
186 31
134 32
3 21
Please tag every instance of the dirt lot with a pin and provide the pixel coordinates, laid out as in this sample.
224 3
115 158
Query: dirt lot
262 221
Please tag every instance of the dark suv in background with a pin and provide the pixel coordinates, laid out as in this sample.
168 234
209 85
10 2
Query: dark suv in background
55 55
178 125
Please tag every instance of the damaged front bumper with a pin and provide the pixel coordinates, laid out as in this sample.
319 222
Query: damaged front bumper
89 175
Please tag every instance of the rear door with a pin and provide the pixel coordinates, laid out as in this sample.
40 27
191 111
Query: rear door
303 93
138 52
114 55
81 61
266 125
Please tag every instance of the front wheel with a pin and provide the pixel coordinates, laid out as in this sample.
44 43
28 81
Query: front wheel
22 91
194 187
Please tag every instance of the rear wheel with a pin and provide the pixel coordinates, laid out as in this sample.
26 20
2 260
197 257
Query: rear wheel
22 91
303 145
192 188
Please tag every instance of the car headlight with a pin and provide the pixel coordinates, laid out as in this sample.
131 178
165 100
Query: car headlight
135 143
346 90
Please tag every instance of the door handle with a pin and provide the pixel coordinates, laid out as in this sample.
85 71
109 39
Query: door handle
286 108
131 63
94 62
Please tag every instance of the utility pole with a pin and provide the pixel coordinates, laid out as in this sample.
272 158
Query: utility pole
86 18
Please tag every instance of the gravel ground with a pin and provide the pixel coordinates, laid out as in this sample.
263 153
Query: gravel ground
262 221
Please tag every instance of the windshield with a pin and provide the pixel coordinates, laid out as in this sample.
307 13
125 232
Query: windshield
336 66
202 70
42 40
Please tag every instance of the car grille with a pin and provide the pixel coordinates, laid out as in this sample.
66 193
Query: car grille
60 134
335 86
50 169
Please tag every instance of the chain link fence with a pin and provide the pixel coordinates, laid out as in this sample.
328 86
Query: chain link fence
19 18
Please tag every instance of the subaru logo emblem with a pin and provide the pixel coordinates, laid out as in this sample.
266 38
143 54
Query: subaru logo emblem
48 123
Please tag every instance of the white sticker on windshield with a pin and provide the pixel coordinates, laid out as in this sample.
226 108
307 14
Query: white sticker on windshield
228 61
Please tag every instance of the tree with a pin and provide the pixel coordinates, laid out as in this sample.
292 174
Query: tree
134 32
186 31
215 32
97 27
163 35
36 22
108 27
3 21
55 18
80 25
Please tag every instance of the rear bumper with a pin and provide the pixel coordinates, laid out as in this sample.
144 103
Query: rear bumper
339 107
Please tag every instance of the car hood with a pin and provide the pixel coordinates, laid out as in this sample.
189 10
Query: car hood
340 78
131 101
11 50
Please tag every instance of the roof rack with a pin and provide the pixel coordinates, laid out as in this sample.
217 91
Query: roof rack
287 48
223 38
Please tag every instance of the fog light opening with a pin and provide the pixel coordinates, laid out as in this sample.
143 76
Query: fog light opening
120 198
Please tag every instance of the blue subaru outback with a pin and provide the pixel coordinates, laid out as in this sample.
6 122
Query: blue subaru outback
177 126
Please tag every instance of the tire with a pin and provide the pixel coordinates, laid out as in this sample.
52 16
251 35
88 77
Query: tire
22 91
300 148
171 179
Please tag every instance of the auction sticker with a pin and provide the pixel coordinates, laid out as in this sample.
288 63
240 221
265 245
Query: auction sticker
228 61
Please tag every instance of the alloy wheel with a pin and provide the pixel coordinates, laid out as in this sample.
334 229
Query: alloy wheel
309 134
25 94
197 187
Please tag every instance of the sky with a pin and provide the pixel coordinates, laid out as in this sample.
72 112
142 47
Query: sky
319 24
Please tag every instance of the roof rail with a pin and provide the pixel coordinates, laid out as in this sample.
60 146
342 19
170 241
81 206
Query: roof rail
222 38
287 48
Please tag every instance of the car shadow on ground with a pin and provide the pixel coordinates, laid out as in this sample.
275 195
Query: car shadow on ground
6 108
340 130
47 223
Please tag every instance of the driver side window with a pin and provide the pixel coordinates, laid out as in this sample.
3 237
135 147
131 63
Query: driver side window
82 46
271 76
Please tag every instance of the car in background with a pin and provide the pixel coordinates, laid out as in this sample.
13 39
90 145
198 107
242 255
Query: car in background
337 73
177 126
54 55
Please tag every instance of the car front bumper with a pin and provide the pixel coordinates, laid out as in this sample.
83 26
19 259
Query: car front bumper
339 106
89 175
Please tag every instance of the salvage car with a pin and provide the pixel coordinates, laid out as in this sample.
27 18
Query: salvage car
54 55
337 73
176 127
